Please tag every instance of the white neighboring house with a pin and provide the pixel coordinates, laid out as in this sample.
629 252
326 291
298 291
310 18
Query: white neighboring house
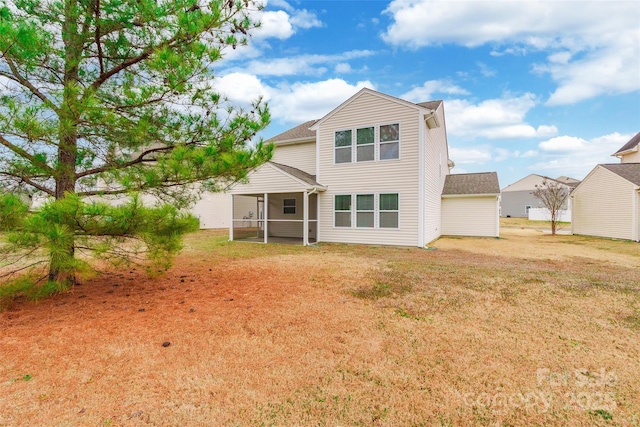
607 201
371 171
518 201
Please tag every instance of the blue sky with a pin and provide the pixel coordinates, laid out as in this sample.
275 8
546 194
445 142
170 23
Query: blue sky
547 87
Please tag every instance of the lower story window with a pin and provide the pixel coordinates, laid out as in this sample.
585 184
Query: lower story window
365 212
289 206
389 210
371 210
342 210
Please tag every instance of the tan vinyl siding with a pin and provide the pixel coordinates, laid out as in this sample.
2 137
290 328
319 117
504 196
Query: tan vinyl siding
603 206
301 156
388 176
631 157
267 179
436 170
470 216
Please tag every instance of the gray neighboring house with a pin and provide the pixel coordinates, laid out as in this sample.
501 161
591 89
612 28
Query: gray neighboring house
518 197
471 205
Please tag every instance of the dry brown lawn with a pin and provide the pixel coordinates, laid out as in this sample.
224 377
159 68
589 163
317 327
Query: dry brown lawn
529 329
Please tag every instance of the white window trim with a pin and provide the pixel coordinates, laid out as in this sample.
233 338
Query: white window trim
376 210
381 211
389 142
376 144
350 211
344 147
373 211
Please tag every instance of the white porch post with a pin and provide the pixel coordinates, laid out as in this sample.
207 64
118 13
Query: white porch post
305 218
266 216
231 224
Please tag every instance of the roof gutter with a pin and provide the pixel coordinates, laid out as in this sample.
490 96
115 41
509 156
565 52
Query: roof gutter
450 196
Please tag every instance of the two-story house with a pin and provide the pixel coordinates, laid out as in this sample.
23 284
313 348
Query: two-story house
371 171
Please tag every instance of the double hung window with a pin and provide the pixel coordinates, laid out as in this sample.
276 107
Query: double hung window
367 144
343 146
381 210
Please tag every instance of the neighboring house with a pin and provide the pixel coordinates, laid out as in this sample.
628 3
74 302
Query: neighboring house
630 152
607 201
471 205
371 171
517 199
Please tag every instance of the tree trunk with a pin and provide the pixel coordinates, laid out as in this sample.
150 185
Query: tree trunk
68 116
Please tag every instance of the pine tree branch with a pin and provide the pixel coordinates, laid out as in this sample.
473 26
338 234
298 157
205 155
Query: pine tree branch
23 153
30 182
16 77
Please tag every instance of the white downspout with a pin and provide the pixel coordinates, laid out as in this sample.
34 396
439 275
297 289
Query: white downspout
232 223
635 232
266 216
422 141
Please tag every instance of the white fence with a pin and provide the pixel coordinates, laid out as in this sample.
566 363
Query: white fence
543 214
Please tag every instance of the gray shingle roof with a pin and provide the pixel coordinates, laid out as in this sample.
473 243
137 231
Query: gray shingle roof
631 144
299 132
301 175
431 105
471 183
629 171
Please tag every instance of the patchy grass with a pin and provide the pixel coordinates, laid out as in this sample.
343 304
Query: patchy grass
528 329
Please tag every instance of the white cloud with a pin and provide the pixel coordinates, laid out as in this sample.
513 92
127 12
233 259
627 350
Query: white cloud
428 89
241 88
274 24
306 101
485 70
562 144
576 157
593 46
343 67
462 156
308 65
494 118
283 23
305 20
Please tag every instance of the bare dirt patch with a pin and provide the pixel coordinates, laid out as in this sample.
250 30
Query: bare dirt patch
468 334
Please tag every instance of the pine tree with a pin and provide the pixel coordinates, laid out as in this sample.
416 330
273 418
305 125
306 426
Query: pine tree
114 98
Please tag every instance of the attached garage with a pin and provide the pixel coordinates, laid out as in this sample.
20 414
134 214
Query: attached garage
471 205
607 202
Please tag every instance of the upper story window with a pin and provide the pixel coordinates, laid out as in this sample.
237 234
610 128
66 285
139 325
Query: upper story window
343 146
390 141
365 144
370 143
